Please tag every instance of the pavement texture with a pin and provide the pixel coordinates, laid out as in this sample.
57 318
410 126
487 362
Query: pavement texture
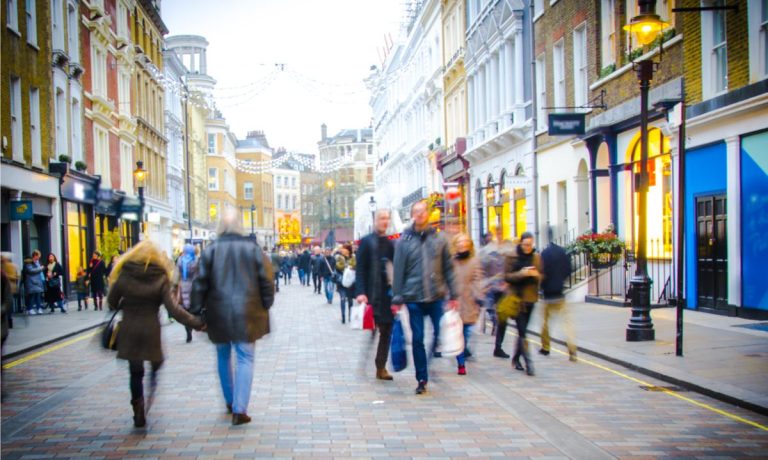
314 395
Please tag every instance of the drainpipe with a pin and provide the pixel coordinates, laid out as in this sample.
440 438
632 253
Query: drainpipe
534 119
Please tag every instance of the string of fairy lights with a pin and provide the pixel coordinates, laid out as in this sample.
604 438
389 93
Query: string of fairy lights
239 95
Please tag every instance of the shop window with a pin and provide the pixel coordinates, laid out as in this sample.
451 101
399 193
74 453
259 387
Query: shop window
77 237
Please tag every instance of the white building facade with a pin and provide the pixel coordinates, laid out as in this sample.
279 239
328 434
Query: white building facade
500 128
175 132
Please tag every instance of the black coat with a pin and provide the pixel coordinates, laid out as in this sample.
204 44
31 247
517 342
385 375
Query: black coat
556 266
317 262
53 287
97 270
304 261
371 275
234 285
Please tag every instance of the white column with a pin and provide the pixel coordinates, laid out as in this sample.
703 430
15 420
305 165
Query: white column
511 80
519 80
471 103
734 219
488 90
502 76
481 97
494 77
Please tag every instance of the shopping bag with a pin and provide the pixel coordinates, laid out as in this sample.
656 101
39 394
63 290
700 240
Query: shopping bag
110 332
368 322
451 334
356 316
348 278
508 307
397 346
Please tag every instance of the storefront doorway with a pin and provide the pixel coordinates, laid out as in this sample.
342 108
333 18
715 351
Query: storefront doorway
712 251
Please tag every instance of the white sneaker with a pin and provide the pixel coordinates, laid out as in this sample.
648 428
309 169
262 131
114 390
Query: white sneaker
39 311
32 312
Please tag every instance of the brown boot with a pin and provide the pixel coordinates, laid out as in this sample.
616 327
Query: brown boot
240 419
382 374
139 419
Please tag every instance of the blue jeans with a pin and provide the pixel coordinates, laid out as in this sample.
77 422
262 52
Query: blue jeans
236 384
462 358
416 313
328 288
35 301
344 298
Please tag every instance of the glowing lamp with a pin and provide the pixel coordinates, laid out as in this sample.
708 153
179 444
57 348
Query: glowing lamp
452 194
646 27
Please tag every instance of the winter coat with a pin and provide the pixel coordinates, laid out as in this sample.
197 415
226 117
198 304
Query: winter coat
33 277
97 270
138 292
53 284
304 261
7 306
525 287
371 275
423 269
556 266
317 263
185 286
234 285
81 284
470 282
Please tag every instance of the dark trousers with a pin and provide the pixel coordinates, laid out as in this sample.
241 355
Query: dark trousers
317 282
385 338
501 330
136 369
345 299
521 347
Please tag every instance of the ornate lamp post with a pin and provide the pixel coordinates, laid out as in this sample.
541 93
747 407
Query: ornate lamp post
646 27
331 233
140 174
372 207
253 211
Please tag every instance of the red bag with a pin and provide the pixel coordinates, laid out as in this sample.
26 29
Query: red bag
368 323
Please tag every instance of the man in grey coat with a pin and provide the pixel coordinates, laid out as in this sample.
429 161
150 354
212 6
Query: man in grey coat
423 275
234 289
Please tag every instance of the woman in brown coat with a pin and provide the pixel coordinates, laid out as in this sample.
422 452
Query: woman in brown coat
139 283
468 276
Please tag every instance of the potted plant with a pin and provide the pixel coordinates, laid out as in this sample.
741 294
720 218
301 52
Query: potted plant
65 159
81 166
602 249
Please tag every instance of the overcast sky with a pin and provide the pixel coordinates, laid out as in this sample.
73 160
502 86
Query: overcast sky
327 48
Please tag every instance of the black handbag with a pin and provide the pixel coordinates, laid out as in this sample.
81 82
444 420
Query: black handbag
109 334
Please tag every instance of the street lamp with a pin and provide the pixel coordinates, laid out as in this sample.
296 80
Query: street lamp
331 234
646 27
372 207
253 211
140 174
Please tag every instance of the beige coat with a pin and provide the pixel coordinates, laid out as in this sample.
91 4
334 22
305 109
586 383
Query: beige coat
469 279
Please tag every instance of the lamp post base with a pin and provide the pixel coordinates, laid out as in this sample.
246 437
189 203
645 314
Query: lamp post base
640 327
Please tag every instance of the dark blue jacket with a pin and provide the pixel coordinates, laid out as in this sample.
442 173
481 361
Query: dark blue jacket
556 266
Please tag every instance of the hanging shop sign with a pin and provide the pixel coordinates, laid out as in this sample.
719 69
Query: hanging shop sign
561 124
21 210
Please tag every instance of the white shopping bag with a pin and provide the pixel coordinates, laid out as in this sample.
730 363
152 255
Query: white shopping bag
356 316
406 320
451 334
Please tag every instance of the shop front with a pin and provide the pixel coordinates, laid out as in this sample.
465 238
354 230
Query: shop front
455 172
78 201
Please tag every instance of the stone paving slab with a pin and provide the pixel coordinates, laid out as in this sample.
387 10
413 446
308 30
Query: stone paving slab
314 396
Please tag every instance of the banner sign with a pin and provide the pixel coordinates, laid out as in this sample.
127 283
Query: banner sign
561 124
21 210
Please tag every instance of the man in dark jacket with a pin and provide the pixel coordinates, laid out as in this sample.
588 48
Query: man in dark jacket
423 274
234 285
34 285
556 267
329 262
277 263
304 267
373 285
316 265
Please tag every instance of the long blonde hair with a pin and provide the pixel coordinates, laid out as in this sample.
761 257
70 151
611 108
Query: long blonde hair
455 244
147 253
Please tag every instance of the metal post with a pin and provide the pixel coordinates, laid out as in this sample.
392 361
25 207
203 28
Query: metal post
186 159
680 228
253 210
640 327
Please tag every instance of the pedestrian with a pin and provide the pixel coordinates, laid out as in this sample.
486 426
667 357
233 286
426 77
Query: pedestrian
81 288
34 283
53 292
344 259
140 282
556 267
6 305
287 267
236 303
493 257
373 284
304 267
277 263
96 274
469 278
316 265
186 270
423 276
523 275
12 274
328 274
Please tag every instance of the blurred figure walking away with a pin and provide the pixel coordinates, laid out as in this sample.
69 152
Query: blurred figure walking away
277 263
328 275
344 259
186 271
556 267
140 282
373 285
469 277
423 275
523 275
493 258
316 265
96 273
235 287
304 267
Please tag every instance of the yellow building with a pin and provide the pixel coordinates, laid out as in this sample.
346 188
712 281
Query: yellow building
255 187
221 162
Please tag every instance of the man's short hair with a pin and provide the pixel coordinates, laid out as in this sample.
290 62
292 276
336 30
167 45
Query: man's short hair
418 203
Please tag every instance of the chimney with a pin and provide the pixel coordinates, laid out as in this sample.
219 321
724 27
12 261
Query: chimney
323 132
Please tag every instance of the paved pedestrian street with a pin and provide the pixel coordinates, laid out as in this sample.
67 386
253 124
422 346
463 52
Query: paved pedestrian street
314 395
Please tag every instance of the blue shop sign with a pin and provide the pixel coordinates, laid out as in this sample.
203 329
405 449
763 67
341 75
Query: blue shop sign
561 124
21 210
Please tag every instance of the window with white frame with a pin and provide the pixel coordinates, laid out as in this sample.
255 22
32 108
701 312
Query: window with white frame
580 84
541 93
72 34
607 32
17 141
294 207
279 201
714 50
35 136
122 20
558 73
126 167
99 71
213 179
758 39
279 181
124 92
211 143
12 14
31 15
293 182
763 52
57 25
60 113
538 8
77 143
101 154
248 190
